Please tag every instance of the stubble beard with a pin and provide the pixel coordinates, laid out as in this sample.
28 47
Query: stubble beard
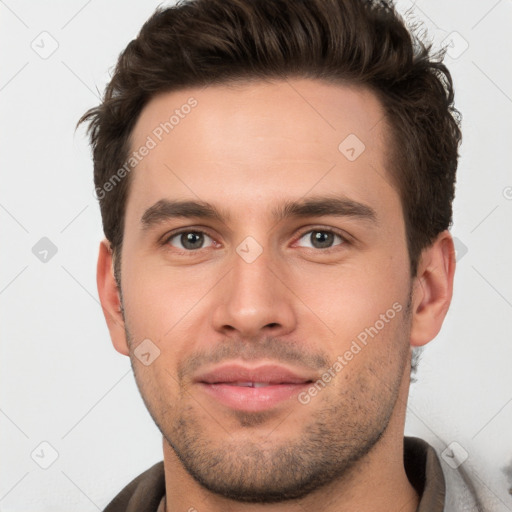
330 447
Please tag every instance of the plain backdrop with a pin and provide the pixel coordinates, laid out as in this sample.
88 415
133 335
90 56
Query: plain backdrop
68 399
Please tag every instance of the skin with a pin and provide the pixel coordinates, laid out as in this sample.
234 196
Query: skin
245 149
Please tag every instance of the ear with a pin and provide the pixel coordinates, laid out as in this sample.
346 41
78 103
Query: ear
110 298
432 289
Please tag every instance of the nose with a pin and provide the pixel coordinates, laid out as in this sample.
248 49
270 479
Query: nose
254 300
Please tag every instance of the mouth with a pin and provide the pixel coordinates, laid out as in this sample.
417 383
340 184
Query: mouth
252 396
252 384
253 389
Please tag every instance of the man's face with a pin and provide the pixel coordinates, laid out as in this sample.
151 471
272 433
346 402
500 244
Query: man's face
280 277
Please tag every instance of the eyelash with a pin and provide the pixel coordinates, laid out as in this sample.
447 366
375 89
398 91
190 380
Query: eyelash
168 238
345 240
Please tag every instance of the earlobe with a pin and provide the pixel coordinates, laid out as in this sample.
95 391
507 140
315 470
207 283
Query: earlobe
110 298
432 289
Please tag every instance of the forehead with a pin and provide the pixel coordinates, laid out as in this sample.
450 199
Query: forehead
243 144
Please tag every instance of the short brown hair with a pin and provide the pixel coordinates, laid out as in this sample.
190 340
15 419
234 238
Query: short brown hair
361 42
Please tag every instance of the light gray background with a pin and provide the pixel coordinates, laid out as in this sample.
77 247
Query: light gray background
61 380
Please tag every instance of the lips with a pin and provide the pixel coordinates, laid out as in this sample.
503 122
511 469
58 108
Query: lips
249 384
255 377
252 389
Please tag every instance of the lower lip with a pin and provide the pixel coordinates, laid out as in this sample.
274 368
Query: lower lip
245 398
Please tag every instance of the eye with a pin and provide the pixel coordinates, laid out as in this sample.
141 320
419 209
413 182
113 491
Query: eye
320 239
189 240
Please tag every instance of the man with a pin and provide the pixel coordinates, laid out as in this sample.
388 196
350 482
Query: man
275 180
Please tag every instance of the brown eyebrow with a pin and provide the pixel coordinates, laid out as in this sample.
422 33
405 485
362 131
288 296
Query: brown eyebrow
311 207
166 209
325 205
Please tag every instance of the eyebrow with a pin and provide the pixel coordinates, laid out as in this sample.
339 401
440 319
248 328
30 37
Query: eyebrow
318 206
323 206
165 209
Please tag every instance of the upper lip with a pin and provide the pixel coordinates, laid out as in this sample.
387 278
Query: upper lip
266 373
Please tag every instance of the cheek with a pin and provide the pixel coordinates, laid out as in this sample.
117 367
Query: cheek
159 299
351 298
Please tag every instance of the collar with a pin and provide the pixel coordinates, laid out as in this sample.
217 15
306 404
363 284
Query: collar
425 473
147 492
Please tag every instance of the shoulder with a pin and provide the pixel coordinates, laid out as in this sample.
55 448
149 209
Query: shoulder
143 494
443 476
